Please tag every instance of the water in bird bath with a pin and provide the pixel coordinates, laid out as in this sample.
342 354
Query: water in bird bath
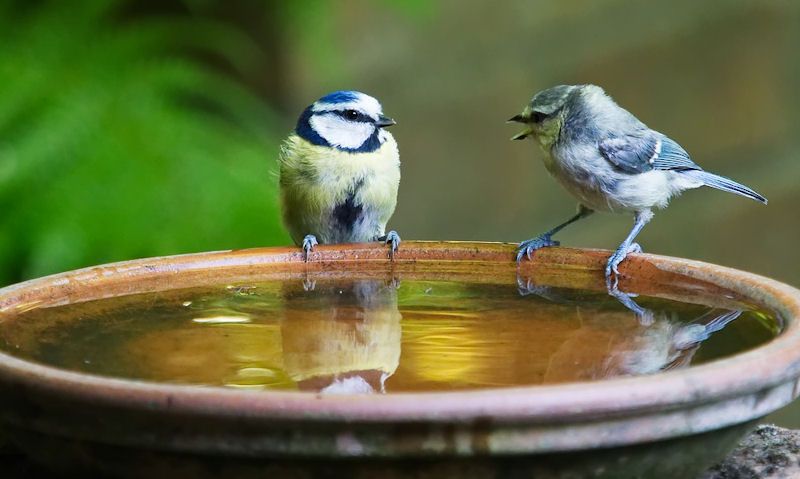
376 336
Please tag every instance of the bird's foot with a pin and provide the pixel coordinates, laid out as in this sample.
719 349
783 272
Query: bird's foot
645 316
635 248
526 248
612 267
391 238
394 283
308 245
309 284
527 287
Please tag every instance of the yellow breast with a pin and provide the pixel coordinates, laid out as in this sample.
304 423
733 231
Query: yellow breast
314 179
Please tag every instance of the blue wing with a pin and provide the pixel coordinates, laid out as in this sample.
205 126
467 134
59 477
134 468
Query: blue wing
649 150
645 151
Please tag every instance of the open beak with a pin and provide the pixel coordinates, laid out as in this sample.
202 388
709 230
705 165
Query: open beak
521 118
385 121
521 135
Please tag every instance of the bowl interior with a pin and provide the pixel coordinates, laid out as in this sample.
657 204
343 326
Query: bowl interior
343 331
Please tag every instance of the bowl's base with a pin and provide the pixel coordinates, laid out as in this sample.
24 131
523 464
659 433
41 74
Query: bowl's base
672 459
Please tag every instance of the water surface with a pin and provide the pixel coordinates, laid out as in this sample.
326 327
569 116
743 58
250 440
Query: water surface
374 336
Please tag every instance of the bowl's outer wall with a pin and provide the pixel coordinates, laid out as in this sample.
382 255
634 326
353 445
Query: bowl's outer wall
678 458
515 421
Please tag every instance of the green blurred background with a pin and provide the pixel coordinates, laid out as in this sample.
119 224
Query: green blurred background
133 128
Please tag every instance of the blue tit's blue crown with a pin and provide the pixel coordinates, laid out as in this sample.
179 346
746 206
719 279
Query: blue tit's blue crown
341 96
345 120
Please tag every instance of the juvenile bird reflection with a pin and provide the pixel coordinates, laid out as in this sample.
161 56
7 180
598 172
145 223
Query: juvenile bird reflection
660 343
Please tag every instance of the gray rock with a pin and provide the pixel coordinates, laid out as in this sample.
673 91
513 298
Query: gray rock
769 452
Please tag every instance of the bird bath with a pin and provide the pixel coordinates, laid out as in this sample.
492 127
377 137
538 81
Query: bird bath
448 361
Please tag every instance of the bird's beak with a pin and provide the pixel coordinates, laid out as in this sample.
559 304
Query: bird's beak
385 121
521 135
521 118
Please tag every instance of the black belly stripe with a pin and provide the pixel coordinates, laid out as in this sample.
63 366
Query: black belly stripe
346 214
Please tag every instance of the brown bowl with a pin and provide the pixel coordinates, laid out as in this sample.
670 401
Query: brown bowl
671 424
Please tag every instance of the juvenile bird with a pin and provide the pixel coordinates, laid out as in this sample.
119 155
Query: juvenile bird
610 161
339 173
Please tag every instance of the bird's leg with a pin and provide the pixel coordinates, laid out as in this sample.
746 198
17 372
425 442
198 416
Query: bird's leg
546 239
393 239
628 246
645 316
308 244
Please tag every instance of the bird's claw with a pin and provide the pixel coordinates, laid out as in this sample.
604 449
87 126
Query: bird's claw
391 238
612 267
526 248
308 245
527 287
524 286
646 317
309 284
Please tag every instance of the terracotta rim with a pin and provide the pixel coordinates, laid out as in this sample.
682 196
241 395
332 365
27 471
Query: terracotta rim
773 364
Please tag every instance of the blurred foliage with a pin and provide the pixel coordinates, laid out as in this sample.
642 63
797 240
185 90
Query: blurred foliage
115 143
134 128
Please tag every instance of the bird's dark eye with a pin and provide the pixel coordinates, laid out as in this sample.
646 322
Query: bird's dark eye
538 117
351 114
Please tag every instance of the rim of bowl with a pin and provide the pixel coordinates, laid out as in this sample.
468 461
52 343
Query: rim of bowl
769 365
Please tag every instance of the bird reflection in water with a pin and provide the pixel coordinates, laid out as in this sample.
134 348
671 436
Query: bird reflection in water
661 343
341 337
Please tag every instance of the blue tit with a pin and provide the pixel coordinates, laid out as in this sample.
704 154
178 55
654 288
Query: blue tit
610 161
339 173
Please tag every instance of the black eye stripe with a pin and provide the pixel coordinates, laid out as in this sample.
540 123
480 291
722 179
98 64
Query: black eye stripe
538 117
353 115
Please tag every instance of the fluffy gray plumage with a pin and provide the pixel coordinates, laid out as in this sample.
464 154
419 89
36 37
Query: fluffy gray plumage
610 161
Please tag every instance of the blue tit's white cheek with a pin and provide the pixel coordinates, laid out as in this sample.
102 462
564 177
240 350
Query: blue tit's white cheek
341 133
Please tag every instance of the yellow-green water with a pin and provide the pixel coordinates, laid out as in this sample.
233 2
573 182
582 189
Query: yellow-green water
368 336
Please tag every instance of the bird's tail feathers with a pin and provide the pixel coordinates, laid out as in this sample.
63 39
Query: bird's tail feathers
719 322
725 184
